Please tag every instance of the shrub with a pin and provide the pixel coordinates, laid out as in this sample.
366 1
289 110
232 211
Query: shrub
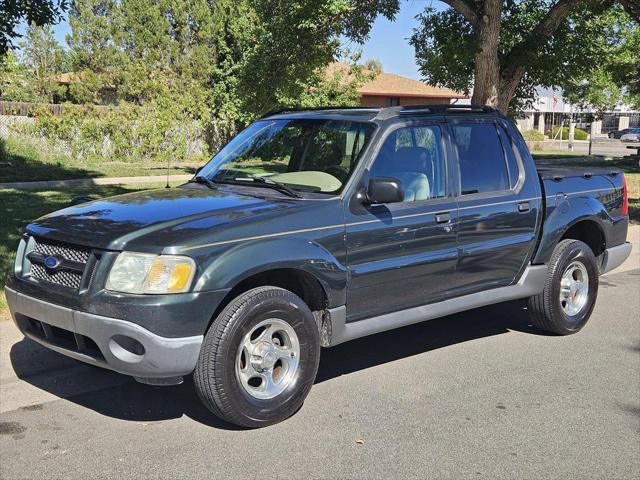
124 133
579 134
533 136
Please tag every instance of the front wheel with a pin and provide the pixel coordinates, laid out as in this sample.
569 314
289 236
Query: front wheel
259 358
570 292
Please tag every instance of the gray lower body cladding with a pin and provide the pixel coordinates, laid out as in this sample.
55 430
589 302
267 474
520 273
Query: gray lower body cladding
102 341
531 283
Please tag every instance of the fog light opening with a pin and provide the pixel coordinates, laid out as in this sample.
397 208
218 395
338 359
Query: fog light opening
126 348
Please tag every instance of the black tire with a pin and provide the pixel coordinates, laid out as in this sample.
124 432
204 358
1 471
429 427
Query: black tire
545 309
215 376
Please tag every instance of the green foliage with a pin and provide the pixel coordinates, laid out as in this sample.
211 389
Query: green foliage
293 40
37 12
446 45
44 59
578 134
124 133
616 77
15 80
533 136
159 78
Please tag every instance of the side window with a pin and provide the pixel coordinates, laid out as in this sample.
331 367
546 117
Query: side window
512 163
482 164
414 156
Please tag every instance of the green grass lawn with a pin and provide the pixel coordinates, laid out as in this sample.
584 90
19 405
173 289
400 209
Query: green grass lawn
19 207
24 162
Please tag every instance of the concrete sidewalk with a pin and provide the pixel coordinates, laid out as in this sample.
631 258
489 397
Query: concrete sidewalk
88 182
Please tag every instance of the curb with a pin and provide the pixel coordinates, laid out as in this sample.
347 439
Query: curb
88 182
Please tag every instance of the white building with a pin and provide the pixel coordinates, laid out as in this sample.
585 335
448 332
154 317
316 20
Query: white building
551 109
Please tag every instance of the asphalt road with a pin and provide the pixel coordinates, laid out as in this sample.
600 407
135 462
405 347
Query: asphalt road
475 395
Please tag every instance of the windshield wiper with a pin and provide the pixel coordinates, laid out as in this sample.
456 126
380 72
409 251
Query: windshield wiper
204 181
270 183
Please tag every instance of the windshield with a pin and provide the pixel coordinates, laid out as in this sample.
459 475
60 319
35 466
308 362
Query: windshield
303 154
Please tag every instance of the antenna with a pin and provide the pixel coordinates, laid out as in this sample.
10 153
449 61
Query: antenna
167 185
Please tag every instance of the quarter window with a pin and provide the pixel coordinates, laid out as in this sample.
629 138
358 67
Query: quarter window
483 167
414 156
512 163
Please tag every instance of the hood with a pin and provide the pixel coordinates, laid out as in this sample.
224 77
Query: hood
115 222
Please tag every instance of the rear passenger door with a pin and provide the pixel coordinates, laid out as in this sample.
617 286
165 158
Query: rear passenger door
498 204
403 254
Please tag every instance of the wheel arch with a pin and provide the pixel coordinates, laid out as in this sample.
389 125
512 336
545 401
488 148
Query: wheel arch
577 219
301 266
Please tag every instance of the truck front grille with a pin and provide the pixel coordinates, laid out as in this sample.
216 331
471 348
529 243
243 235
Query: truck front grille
61 277
70 252
73 262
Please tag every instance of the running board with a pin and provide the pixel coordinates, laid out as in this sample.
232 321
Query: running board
531 283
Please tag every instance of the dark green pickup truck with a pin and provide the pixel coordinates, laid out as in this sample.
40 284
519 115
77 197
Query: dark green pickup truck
309 229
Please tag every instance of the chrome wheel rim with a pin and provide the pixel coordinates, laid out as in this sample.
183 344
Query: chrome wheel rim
574 288
268 358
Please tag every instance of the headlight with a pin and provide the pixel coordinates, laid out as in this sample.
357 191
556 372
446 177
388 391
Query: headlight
147 273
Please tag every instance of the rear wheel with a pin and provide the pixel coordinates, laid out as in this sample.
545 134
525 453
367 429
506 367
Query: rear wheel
570 292
259 358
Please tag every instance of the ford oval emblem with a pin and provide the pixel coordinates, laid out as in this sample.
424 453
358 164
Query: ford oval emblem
51 262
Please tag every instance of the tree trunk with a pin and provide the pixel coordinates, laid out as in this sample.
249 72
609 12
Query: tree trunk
486 82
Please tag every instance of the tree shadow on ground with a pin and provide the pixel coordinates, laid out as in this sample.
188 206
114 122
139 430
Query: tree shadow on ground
24 164
19 167
121 397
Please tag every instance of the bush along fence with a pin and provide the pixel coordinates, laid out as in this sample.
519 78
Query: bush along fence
129 133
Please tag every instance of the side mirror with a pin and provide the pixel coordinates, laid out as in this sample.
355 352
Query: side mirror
384 190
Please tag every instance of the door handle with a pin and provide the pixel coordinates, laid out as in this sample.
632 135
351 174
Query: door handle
524 207
443 217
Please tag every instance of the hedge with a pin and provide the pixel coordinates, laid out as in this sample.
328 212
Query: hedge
579 134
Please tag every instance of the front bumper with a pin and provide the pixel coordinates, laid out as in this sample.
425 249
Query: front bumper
615 256
102 341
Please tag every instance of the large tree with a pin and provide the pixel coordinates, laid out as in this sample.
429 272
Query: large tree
503 49
36 12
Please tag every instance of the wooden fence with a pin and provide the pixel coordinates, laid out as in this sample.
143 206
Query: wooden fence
22 109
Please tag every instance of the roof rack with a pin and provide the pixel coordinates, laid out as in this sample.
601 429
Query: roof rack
389 112
307 109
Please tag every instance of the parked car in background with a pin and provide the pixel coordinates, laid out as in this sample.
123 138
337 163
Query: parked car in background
310 229
618 133
632 136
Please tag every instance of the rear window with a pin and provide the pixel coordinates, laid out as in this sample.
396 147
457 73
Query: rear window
483 167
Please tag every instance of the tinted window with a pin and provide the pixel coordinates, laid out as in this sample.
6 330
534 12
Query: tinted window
482 163
512 163
414 156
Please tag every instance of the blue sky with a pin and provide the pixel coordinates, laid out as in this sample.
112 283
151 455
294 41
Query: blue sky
388 41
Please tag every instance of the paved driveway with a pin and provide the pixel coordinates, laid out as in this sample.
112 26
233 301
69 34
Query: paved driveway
475 395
